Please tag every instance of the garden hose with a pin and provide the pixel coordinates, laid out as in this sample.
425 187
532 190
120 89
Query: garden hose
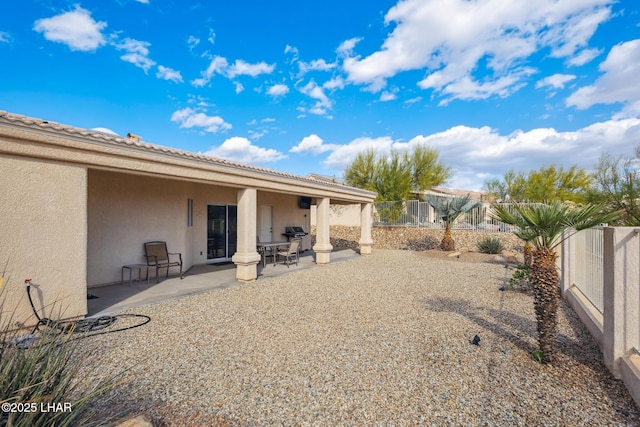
86 326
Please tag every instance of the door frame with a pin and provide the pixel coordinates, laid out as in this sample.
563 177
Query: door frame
227 235
262 232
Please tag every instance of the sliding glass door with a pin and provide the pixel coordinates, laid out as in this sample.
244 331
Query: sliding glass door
222 232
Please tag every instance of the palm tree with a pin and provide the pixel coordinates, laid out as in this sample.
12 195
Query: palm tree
543 225
449 209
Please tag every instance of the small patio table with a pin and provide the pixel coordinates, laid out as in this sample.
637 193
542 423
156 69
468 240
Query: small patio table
132 267
274 247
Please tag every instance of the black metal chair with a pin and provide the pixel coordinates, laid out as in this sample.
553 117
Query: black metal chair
157 256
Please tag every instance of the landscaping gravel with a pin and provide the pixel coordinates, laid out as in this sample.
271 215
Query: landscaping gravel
383 339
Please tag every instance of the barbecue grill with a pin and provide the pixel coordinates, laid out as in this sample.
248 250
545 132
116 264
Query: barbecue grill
294 232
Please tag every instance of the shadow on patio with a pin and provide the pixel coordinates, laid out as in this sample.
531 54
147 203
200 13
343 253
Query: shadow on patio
112 298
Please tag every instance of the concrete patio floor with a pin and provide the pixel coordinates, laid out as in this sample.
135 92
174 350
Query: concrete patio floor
200 278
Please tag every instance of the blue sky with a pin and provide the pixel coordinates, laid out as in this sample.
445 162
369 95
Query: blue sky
302 87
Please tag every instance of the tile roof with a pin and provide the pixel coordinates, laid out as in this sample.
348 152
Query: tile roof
103 137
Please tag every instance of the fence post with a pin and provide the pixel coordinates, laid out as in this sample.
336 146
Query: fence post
568 262
621 295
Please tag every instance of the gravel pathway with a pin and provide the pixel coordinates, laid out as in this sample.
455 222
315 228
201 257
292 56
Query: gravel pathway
379 340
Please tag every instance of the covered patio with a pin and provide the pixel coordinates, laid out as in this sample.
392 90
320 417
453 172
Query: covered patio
103 300
79 204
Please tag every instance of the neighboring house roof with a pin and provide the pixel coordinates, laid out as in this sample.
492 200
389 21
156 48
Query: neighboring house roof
451 192
115 152
326 178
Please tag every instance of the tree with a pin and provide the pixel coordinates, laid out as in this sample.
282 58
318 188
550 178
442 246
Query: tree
511 187
548 184
544 225
426 172
392 179
394 176
449 209
361 171
617 184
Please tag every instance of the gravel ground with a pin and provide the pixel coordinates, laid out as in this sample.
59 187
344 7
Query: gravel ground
379 340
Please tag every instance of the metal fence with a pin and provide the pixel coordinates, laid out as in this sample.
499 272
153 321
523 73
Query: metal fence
414 213
589 270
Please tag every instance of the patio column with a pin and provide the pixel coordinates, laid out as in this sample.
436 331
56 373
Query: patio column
246 257
323 247
365 229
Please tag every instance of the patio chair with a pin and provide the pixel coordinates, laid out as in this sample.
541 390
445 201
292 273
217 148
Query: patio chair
262 251
158 257
291 253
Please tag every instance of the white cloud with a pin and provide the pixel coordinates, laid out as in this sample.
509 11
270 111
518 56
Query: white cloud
212 36
413 100
199 101
241 67
347 46
239 87
568 41
387 96
220 65
166 73
478 51
291 49
137 53
619 83
335 83
255 135
143 1
242 150
323 103
585 56
192 42
278 90
4 37
556 81
189 118
315 65
342 155
476 153
312 144
268 120
76 28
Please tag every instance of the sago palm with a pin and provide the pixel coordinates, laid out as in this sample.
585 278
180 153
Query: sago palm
449 209
543 225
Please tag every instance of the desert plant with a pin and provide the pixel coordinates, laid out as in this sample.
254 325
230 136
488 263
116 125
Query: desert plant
490 245
544 227
43 380
449 209
521 278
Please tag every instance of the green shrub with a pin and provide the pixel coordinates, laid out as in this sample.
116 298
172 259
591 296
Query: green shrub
521 278
490 245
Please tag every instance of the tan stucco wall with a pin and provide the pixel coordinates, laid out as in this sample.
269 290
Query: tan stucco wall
127 210
43 236
286 212
347 215
124 212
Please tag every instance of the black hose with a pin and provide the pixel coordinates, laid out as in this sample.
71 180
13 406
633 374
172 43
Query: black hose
89 326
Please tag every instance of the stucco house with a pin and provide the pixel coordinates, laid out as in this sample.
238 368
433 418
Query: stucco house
78 204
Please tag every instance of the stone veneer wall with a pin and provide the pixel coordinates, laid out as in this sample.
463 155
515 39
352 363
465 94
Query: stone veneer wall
414 238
